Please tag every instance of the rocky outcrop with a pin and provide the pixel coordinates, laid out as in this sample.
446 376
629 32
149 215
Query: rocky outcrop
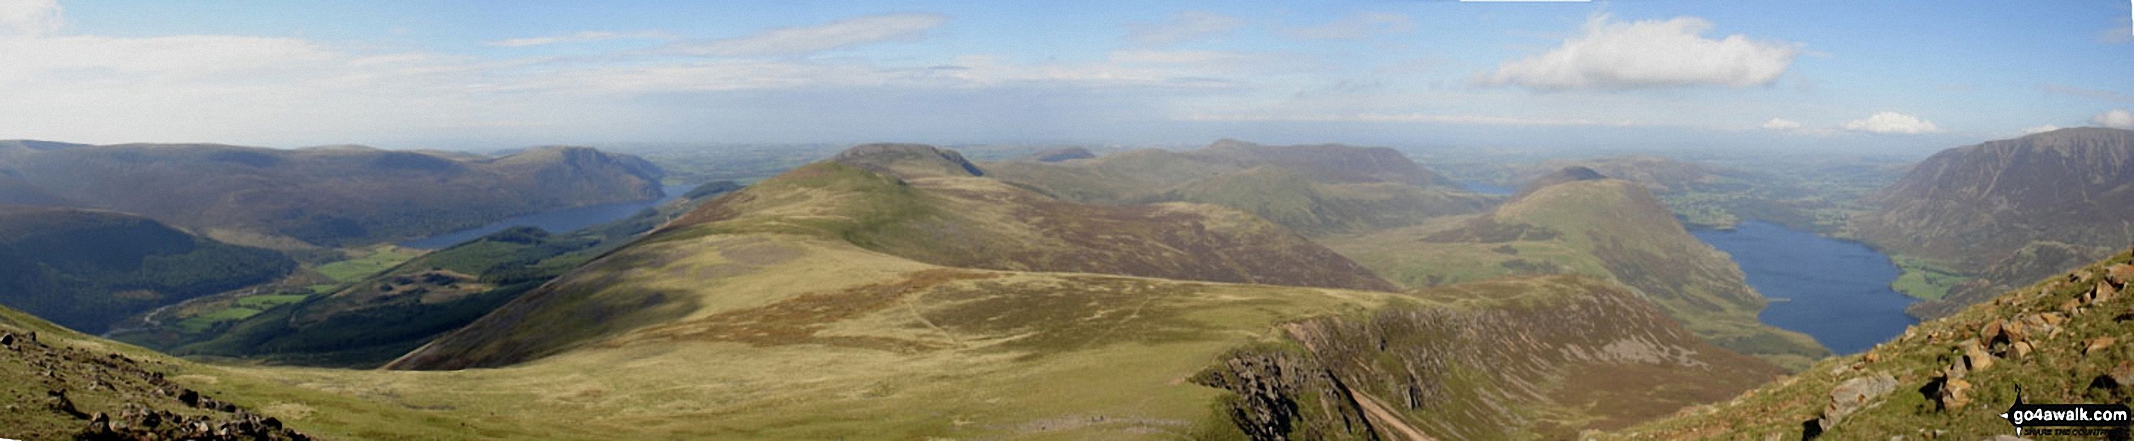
136 401
1478 373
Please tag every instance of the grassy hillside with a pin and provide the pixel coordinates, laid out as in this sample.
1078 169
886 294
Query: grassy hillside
1609 228
1314 189
979 222
2062 340
329 196
88 269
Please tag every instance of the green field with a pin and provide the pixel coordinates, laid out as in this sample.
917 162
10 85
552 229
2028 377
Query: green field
1923 278
370 262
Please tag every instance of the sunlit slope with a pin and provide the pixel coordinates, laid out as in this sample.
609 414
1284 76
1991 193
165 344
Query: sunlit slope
2062 340
1313 189
931 218
1607 228
977 222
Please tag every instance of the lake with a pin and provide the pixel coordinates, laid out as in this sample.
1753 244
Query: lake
1488 189
1834 290
558 221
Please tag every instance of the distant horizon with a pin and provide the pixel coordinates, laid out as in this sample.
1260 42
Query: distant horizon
1880 77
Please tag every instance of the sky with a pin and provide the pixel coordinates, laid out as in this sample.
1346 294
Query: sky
1862 76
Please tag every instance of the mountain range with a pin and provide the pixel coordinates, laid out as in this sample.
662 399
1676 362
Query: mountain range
323 196
2010 211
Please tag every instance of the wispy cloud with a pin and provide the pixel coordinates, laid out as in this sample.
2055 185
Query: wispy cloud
1887 122
802 40
2100 94
1355 26
1781 124
579 37
1188 25
1648 54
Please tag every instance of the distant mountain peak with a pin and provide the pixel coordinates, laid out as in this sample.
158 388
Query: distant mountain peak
908 160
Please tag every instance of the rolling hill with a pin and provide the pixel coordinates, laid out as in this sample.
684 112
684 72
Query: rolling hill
2060 340
1579 222
791 310
1312 189
325 196
1975 208
87 269
928 206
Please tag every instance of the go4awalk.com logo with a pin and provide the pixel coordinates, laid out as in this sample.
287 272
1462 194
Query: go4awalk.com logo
2104 420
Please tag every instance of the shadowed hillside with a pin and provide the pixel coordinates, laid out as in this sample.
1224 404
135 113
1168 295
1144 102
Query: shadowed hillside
329 196
87 269
1577 222
1313 189
1987 209
2062 340
370 321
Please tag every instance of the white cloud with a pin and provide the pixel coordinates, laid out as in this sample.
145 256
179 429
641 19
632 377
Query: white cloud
1781 124
808 39
2117 118
29 17
2041 129
1649 54
1189 25
580 37
1357 26
1891 122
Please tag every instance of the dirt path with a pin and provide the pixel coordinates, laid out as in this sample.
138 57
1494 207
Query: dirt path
1378 414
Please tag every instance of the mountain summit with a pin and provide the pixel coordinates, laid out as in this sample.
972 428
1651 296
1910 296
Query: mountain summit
908 160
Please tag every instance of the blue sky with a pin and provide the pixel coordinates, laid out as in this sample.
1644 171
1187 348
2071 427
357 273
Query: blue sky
1850 75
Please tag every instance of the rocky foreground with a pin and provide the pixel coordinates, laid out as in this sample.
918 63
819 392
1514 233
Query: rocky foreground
62 391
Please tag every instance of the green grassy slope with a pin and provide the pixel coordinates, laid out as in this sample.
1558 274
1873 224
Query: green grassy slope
983 223
1612 229
2063 340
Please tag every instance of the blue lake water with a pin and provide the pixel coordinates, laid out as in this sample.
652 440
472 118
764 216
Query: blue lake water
558 221
1836 291
1488 189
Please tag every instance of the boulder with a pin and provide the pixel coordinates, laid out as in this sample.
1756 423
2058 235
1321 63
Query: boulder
2097 344
1975 356
1854 394
1955 393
